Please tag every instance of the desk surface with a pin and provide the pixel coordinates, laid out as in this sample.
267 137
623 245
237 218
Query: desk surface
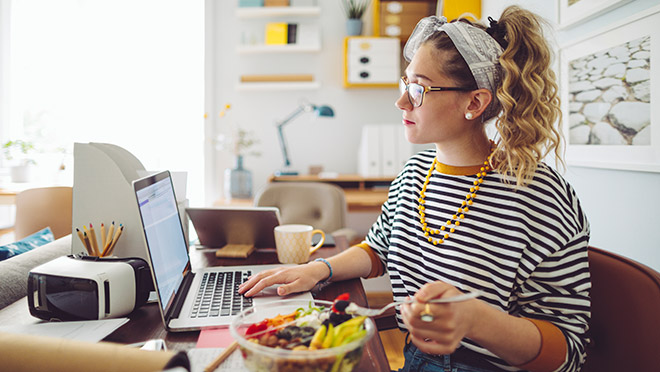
363 194
145 323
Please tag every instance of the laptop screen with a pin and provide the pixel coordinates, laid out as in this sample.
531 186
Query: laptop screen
166 244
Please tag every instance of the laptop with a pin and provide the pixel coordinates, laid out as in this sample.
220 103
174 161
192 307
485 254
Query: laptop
217 227
189 300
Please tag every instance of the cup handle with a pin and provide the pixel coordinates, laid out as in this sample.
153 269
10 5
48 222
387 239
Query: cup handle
320 243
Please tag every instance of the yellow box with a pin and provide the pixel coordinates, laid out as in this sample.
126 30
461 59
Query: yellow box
276 33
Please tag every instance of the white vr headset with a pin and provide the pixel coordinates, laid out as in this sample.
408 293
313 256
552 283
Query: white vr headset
88 288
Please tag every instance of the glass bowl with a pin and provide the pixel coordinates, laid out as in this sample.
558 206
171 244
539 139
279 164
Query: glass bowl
259 358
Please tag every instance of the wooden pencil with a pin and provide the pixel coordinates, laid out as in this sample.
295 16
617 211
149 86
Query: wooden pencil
82 239
87 245
92 239
111 247
221 358
103 237
108 238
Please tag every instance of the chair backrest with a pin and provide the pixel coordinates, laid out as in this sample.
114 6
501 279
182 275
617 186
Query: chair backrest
319 204
41 207
625 314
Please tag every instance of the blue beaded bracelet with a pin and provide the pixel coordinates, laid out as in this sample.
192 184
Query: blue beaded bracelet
329 267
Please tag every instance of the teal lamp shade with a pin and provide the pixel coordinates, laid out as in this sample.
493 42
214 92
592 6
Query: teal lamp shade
324 111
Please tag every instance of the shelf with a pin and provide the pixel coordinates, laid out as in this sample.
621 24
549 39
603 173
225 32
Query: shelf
283 48
278 86
277 11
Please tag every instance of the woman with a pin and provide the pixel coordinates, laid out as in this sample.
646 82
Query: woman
473 215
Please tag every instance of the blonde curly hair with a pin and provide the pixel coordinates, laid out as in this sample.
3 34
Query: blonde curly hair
527 96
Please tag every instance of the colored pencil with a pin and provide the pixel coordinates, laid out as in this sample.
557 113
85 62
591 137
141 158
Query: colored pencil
82 239
92 239
102 236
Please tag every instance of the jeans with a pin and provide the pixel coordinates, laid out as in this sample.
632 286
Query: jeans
418 361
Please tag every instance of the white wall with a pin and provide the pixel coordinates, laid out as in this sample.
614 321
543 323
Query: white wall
622 206
330 142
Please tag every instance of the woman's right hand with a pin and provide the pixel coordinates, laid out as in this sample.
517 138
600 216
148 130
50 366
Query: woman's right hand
295 279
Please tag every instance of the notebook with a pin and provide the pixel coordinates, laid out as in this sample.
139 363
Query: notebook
217 227
189 300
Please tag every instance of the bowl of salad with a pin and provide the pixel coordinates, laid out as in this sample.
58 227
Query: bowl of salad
295 335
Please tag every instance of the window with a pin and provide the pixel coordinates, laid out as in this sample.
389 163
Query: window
125 72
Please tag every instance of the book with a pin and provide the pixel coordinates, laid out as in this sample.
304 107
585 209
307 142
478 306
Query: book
276 33
291 33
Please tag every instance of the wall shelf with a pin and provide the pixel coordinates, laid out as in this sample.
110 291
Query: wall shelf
307 40
278 11
278 86
284 48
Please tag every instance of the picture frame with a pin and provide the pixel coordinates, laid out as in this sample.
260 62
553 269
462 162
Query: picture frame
573 11
609 88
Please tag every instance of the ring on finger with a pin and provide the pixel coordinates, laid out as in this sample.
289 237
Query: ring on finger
426 315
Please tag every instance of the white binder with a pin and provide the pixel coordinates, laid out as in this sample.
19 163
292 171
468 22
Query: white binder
369 162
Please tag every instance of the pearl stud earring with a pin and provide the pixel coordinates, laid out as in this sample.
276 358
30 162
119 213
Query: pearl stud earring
468 115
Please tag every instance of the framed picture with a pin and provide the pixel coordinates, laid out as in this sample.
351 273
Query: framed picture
608 81
573 11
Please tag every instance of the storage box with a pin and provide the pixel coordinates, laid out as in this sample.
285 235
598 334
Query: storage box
276 2
250 3
398 18
372 61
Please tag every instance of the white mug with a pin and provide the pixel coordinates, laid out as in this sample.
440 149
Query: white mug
294 242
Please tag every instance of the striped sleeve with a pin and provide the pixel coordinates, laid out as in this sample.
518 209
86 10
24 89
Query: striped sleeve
558 292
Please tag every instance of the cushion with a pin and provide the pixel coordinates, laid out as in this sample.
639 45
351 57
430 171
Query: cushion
26 244
14 271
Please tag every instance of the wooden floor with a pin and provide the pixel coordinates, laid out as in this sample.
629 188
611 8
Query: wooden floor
393 339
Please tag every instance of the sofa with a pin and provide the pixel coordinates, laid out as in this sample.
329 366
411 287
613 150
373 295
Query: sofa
14 270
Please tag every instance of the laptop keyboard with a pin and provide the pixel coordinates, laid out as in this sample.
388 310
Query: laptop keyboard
218 295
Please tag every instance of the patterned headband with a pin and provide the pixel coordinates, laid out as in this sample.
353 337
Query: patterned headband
479 50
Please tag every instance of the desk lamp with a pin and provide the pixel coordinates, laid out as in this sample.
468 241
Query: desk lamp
324 111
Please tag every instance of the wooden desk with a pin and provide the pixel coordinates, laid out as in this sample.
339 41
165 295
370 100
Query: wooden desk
363 194
145 323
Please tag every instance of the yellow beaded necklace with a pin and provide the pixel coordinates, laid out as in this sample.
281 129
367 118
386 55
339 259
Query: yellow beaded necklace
451 224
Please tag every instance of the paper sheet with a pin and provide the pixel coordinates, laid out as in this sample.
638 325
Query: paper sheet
200 358
87 330
214 338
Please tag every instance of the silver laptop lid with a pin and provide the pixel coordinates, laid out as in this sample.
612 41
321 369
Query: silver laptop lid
166 246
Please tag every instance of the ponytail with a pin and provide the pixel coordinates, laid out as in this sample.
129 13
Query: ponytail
528 96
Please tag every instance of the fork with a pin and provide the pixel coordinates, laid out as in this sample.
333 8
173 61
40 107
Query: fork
354 308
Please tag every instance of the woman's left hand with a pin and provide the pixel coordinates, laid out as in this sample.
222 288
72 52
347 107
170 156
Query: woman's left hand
450 322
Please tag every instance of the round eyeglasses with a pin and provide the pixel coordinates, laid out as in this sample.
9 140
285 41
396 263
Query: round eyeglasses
416 92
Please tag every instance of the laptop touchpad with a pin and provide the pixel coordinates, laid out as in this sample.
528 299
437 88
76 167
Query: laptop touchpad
268 292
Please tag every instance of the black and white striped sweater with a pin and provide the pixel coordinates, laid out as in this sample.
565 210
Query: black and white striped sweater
524 250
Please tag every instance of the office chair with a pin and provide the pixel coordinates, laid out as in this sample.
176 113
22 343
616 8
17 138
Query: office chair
321 205
625 314
41 207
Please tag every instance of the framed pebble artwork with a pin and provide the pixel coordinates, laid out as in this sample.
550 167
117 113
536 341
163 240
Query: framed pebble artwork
607 82
573 11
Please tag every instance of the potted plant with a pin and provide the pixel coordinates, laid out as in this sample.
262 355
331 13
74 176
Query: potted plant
239 142
354 10
17 153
